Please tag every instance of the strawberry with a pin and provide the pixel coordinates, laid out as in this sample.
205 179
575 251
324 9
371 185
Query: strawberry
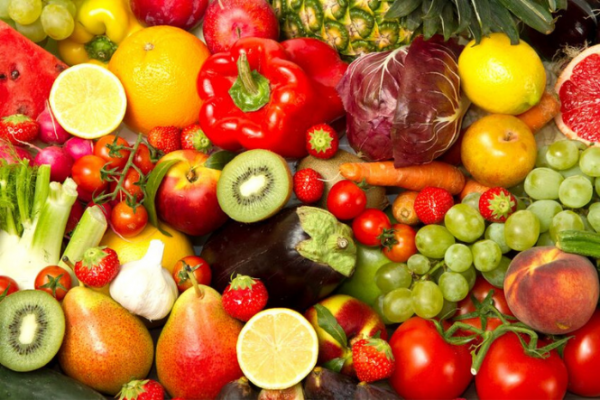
244 297
193 138
372 359
165 138
322 141
432 203
308 185
497 204
142 390
98 267
19 128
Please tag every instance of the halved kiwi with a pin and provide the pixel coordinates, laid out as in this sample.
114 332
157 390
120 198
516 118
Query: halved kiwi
32 327
254 185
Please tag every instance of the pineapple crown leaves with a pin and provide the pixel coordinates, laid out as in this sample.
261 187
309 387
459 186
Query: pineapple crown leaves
242 282
133 389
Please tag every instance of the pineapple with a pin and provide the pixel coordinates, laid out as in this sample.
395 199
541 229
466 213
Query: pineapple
355 27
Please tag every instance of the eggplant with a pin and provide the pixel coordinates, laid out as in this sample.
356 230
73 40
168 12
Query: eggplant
238 390
365 391
293 393
325 384
301 254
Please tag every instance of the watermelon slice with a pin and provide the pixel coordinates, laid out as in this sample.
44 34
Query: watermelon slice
27 73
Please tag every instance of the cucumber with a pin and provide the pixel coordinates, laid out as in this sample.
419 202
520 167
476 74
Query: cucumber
43 384
584 243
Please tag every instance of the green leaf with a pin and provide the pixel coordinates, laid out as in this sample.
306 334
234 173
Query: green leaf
335 365
503 21
531 13
463 11
219 159
483 16
329 324
401 8
448 21
154 180
434 9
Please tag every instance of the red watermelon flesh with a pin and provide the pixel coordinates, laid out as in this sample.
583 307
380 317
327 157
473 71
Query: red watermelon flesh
27 73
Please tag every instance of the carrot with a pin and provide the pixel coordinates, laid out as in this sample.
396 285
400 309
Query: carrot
415 177
543 112
403 208
472 186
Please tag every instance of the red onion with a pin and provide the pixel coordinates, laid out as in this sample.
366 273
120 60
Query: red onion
13 154
59 160
50 130
77 147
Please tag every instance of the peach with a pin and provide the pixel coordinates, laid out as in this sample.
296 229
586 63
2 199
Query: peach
552 291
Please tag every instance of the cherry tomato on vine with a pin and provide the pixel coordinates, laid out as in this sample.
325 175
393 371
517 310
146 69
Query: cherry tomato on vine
581 356
508 372
346 200
401 244
127 222
53 280
428 366
86 173
7 286
101 150
129 185
142 159
200 268
369 225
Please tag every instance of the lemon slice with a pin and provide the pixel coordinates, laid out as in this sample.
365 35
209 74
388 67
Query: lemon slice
277 348
88 101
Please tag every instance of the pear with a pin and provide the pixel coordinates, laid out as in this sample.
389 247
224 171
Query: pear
196 350
105 346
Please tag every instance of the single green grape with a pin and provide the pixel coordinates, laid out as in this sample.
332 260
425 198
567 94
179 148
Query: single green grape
427 299
597 186
486 255
449 309
458 257
541 161
418 264
495 232
593 216
398 305
521 230
471 276
67 4
465 223
590 161
24 12
565 220
4 9
378 307
57 21
562 154
453 285
433 240
543 184
586 224
472 199
544 240
392 276
545 210
575 171
575 191
518 190
34 32
496 276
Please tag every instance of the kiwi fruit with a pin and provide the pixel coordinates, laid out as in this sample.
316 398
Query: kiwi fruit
32 327
254 186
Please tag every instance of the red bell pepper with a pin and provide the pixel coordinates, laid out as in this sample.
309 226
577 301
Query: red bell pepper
265 95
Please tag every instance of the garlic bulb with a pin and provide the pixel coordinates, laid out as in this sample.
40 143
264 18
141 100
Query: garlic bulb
144 287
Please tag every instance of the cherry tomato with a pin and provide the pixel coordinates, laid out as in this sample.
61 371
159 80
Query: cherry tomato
200 269
86 173
53 280
142 159
127 222
346 200
581 356
7 286
480 290
507 372
101 150
428 366
130 185
369 225
401 244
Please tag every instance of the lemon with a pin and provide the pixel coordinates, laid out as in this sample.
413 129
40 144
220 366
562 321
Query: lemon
176 247
277 348
88 101
501 78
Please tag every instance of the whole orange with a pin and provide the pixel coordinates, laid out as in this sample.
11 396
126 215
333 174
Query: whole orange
158 67
498 150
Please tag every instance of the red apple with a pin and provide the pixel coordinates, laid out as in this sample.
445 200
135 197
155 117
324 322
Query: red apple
226 21
187 196
184 14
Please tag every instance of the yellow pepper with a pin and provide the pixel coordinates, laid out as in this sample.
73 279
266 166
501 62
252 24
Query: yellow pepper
100 26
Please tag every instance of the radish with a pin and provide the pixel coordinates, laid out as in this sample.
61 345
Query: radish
13 154
77 147
50 130
59 160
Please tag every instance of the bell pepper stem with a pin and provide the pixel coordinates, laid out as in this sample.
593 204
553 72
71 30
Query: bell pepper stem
246 75
251 91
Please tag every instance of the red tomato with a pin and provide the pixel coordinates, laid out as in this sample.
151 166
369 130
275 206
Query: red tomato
427 366
53 280
101 150
130 185
127 222
86 173
507 372
142 159
369 225
404 246
200 269
346 200
480 290
7 286
582 357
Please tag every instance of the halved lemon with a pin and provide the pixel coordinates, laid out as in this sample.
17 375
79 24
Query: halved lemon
88 101
277 348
